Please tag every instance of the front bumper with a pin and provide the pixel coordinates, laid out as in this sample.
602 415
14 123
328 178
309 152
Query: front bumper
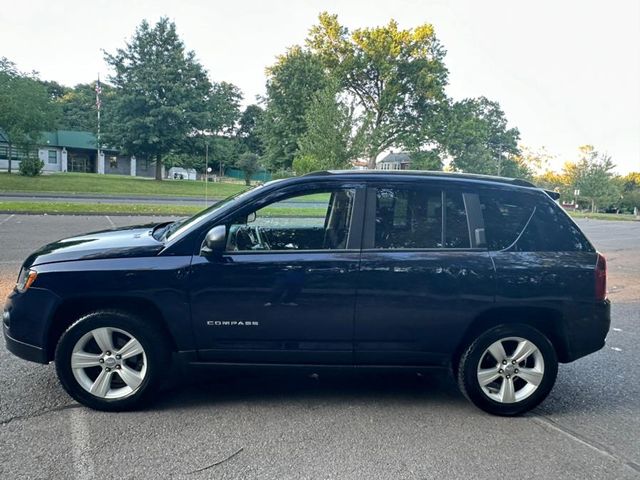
25 323
24 350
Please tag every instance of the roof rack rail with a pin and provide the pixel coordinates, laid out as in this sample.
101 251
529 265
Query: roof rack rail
432 173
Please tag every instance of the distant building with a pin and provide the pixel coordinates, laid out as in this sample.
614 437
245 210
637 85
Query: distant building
76 151
179 173
394 161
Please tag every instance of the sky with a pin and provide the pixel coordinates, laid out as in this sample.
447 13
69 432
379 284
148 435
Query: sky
566 73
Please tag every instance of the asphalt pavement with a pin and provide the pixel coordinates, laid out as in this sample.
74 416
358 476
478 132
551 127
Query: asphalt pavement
338 425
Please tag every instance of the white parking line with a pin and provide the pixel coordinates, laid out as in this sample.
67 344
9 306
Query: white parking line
592 444
8 218
80 445
113 225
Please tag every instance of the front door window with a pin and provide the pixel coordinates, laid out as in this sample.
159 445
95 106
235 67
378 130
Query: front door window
311 221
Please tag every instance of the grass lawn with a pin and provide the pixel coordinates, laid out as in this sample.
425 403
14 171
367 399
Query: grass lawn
114 185
75 208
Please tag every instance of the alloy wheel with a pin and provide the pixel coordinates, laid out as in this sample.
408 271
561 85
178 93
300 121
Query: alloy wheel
510 370
109 363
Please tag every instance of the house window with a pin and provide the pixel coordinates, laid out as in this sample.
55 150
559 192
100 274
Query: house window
16 153
113 162
52 156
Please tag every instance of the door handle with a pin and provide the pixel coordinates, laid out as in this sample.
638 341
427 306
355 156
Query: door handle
326 270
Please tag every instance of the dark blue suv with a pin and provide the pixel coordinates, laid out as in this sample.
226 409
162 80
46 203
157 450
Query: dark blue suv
485 276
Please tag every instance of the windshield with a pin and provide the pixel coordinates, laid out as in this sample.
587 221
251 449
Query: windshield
180 226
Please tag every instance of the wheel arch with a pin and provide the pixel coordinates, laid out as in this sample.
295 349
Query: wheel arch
72 309
548 321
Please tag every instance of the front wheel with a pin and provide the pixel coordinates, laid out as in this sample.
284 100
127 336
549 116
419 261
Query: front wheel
508 370
111 360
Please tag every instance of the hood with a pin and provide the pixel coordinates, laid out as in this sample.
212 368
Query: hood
120 243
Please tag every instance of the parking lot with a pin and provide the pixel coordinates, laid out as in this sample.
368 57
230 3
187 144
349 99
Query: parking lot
338 425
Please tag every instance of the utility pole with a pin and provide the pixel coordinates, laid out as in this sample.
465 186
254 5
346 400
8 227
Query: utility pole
206 172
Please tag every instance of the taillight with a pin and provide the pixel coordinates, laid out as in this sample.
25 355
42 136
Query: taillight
601 278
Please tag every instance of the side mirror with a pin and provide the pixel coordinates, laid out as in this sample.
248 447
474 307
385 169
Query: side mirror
216 240
251 217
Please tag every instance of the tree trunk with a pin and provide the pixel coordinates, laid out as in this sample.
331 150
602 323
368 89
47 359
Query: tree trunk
9 159
593 206
247 179
371 164
158 168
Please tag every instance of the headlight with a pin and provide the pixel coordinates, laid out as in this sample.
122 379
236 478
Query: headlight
25 280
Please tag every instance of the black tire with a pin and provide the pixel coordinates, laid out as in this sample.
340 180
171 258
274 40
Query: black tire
156 351
467 372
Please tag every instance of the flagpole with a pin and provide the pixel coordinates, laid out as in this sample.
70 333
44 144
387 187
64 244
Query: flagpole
98 104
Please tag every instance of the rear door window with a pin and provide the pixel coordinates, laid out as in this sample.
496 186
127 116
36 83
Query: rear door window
505 216
414 218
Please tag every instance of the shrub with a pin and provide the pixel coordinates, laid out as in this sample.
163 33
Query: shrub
31 167
306 163
277 175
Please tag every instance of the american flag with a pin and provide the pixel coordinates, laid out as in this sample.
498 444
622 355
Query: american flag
98 92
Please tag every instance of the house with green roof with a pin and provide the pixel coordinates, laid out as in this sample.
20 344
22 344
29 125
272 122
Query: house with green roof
76 151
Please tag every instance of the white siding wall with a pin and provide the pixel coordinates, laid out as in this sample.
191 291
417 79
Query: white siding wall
48 159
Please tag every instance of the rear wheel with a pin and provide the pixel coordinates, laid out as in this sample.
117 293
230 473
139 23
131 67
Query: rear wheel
508 370
111 360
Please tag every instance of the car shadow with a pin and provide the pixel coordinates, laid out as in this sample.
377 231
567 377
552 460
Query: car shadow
322 388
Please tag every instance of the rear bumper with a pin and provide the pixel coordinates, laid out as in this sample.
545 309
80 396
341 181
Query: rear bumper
587 330
24 350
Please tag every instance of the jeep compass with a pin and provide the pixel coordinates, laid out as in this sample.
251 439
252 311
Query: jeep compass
484 276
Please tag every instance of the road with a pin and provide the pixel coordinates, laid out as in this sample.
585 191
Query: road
346 425
102 198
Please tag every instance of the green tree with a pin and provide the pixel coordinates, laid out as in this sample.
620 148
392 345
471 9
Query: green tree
162 91
223 152
249 163
79 109
630 188
223 108
26 110
55 89
328 142
557 182
291 84
478 140
248 130
426 160
593 176
394 78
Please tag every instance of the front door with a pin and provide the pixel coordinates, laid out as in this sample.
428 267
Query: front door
284 289
425 274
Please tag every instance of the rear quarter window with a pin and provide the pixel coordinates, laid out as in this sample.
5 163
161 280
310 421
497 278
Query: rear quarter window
506 214
551 231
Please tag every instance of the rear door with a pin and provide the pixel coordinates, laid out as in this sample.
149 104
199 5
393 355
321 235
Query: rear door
425 273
